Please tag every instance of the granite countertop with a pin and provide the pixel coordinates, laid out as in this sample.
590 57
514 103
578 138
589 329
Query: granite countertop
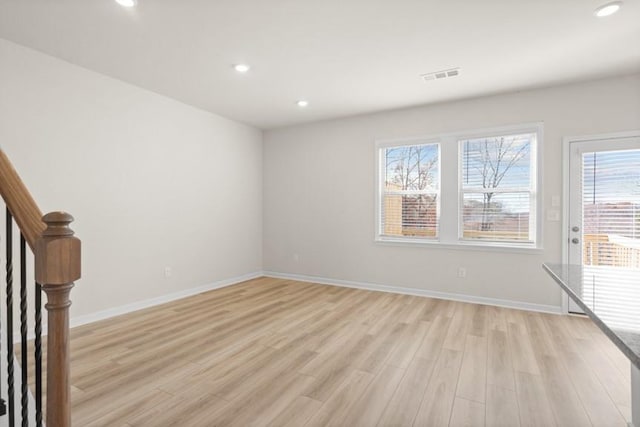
610 296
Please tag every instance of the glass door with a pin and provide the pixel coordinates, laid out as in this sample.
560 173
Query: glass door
604 217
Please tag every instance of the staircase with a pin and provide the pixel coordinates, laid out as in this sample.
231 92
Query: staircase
49 246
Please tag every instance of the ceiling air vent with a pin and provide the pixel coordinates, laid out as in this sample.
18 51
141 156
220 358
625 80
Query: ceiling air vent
439 75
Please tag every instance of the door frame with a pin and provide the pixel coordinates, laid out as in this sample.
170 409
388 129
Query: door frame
566 160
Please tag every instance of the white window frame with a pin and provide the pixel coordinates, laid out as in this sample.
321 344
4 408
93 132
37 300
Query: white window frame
381 191
450 204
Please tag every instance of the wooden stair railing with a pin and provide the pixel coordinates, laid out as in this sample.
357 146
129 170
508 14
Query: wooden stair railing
57 265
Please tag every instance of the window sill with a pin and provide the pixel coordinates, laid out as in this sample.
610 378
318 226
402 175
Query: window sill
464 246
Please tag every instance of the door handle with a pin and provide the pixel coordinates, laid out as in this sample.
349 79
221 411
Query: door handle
575 240
575 229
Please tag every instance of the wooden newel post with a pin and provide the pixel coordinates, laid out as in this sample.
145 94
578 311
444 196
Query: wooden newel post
57 262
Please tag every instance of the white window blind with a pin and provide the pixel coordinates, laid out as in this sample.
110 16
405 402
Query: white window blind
410 191
498 188
477 188
611 208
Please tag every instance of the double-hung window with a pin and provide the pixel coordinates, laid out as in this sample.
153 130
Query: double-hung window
497 188
476 188
411 191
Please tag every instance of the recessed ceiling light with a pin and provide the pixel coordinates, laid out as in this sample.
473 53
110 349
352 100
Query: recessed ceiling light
608 9
127 3
302 103
241 68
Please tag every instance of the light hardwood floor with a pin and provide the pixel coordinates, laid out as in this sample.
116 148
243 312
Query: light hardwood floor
272 352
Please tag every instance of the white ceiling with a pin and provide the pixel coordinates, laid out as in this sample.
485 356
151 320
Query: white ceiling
345 56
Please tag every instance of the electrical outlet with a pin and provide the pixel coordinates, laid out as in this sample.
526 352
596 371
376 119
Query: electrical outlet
462 272
167 272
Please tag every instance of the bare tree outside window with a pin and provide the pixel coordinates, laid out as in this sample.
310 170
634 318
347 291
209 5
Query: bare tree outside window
496 182
411 167
411 190
458 189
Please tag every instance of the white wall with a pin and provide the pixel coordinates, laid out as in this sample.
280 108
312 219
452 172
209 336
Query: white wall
319 191
151 182
154 183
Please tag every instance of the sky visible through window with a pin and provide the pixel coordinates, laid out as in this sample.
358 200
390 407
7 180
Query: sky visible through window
496 178
498 163
611 176
487 163
611 200
412 167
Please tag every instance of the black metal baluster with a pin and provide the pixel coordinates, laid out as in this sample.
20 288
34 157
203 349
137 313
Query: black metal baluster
38 354
24 401
9 271
3 403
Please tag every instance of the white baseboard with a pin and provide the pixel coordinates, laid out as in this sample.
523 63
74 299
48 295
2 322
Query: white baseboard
139 305
418 292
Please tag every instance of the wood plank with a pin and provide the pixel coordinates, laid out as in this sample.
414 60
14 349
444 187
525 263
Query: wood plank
564 400
280 352
405 402
178 410
499 363
596 401
263 403
433 341
369 408
408 344
615 383
502 407
379 351
336 408
467 413
521 350
297 413
479 321
473 373
124 409
532 401
459 327
438 399
496 319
